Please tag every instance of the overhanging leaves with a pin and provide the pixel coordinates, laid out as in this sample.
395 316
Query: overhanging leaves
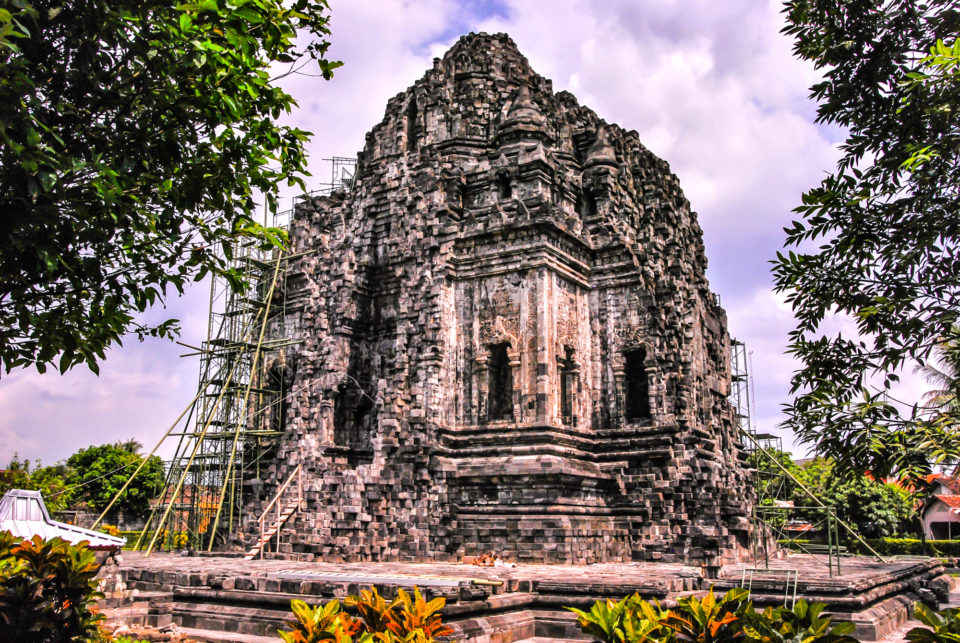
884 227
133 138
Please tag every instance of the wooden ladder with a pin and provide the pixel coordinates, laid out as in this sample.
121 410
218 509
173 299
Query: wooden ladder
284 511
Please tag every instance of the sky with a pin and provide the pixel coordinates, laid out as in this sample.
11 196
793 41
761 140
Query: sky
711 87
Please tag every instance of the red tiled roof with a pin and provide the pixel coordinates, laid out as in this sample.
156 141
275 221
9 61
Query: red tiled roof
952 501
950 483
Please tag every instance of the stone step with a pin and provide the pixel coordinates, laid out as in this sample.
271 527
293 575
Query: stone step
216 636
128 615
215 616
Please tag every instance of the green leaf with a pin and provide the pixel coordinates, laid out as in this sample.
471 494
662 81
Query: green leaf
179 119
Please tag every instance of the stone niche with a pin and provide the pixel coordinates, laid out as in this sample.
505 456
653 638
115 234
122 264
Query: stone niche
506 340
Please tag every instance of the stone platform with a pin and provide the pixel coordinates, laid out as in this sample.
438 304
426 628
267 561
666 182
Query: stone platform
220 598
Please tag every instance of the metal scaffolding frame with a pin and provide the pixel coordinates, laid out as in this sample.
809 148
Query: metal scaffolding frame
343 171
772 508
232 422
231 417
740 384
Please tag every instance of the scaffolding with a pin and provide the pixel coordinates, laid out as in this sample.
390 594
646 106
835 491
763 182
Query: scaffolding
740 384
343 171
779 524
231 425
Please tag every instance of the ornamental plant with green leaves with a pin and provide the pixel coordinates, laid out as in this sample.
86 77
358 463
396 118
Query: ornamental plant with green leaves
941 627
709 620
629 620
802 624
321 623
47 591
407 618
134 138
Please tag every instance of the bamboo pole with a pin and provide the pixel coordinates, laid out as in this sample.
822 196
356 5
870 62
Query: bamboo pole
243 416
147 457
166 485
203 433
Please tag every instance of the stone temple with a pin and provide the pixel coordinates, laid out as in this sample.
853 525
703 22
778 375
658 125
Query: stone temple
506 341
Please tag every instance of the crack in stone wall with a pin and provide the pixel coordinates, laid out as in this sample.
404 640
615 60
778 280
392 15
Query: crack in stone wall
467 317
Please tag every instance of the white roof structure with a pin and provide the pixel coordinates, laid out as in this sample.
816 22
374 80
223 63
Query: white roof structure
24 514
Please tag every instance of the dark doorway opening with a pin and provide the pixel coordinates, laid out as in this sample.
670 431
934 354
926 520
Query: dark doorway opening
567 385
500 384
636 389
411 126
504 189
587 206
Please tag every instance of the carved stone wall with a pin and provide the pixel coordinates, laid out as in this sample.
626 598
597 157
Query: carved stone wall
507 341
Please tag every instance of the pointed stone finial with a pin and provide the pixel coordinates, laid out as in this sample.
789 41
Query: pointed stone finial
601 152
524 110
524 120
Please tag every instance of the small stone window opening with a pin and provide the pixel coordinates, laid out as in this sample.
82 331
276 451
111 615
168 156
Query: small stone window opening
587 205
353 420
411 126
500 384
504 189
567 386
455 194
279 379
635 387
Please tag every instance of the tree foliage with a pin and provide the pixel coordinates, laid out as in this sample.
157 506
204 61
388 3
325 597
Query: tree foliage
877 241
943 371
874 508
48 591
134 136
52 482
98 472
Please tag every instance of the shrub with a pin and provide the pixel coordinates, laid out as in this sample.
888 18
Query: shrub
709 620
630 620
633 620
802 623
408 619
944 626
131 535
111 530
907 547
320 623
47 590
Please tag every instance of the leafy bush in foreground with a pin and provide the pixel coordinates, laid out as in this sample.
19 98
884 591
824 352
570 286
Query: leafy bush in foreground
409 619
47 590
944 626
709 620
